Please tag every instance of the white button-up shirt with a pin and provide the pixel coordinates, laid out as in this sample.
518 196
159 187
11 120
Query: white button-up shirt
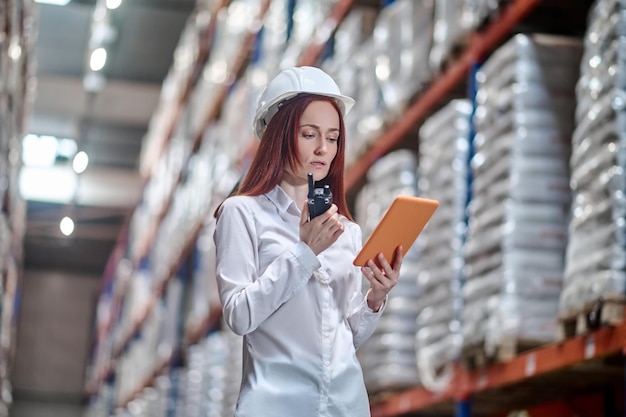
302 316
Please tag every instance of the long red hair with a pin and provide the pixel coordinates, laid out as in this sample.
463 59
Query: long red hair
279 147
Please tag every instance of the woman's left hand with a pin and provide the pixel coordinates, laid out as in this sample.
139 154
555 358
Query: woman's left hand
382 279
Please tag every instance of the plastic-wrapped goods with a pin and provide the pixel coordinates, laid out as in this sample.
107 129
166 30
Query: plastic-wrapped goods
233 25
402 39
477 11
209 369
234 132
100 403
162 184
353 30
388 356
454 20
150 402
452 24
308 17
232 380
174 85
357 79
351 67
240 107
204 293
273 37
193 201
142 354
517 228
444 176
596 253
207 387
382 72
214 376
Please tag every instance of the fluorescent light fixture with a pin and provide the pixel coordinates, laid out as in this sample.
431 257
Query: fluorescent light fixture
98 59
46 150
15 52
55 184
53 2
66 148
39 151
66 226
81 160
113 4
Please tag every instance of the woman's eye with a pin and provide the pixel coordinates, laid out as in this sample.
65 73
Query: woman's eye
309 135
333 139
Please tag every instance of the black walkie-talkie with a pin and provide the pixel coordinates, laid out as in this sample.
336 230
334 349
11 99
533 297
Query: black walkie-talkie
319 199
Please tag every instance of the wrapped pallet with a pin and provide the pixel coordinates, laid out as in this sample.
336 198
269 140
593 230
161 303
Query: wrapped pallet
596 253
402 40
517 232
443 176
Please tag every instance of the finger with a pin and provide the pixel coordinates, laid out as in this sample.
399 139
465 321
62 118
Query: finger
369 275
305 214
382 261
338 231
334 221
377 274
397 263
331 213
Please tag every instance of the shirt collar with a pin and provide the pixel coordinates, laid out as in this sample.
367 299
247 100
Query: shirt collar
281 200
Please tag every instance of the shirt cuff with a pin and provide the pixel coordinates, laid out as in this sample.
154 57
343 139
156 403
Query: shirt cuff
305 255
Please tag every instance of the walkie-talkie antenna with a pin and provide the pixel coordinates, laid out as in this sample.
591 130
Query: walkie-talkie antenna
311 186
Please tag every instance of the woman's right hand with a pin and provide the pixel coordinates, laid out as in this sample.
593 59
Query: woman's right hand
322 231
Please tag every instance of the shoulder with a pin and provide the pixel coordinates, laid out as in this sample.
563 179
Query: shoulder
237 201
352 227
237 205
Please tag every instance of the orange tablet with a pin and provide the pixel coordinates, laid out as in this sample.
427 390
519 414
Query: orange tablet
402 223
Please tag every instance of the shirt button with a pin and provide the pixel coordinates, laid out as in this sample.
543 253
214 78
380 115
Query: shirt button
326 363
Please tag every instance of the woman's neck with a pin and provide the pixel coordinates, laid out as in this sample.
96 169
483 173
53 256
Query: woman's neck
295 189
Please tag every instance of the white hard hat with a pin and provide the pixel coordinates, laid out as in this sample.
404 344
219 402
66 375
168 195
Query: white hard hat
291 82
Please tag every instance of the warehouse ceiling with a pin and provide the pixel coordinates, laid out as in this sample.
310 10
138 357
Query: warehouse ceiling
109 125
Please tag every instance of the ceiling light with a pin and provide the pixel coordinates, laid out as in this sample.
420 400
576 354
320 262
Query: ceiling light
39 151
113 4
66 226
81 160
55 184
53 2
98 59
47 150
15 52
66 148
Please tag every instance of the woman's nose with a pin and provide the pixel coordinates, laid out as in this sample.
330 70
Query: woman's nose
321 146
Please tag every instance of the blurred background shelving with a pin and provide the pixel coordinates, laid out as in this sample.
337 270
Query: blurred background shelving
511 113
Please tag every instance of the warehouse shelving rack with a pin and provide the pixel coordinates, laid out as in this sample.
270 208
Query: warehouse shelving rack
502 387
597 357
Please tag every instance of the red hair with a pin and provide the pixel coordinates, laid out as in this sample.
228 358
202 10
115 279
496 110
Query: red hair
279 147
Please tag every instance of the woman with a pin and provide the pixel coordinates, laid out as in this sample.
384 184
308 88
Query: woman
287 283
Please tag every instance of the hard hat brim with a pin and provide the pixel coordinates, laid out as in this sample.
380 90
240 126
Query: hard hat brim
266 113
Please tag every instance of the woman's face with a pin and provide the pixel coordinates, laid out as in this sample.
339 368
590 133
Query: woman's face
318 136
